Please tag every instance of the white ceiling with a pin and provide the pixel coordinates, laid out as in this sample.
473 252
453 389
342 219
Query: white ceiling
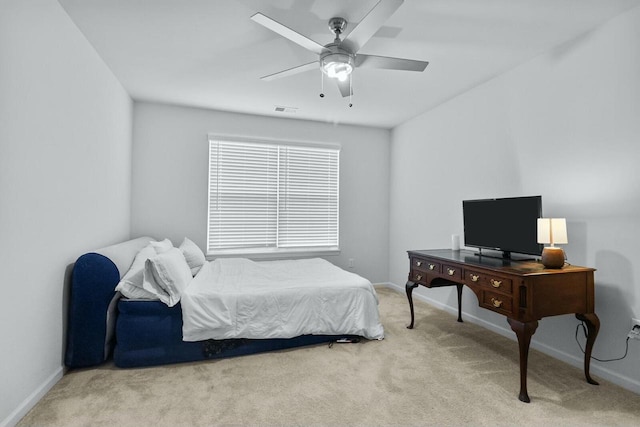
208 53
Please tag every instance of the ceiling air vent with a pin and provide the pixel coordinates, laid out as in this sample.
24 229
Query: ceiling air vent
291 110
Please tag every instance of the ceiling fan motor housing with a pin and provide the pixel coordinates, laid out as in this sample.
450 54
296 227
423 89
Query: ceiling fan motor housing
335 60
337 25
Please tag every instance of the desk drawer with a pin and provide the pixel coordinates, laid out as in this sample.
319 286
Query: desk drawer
498 284
452 271
418 276
497 302
425 265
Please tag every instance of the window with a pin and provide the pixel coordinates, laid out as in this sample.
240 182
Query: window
267 197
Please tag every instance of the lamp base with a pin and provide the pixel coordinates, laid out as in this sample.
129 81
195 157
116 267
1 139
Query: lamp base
553 257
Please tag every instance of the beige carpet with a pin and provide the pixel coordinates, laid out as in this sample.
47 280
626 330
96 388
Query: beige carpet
441 373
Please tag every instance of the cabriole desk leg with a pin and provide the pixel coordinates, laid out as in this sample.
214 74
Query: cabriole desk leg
524 332
459 286
410 286
593 326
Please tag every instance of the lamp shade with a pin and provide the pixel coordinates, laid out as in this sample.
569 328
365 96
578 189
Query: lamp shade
552 230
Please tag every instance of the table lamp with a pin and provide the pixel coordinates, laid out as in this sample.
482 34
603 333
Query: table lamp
552 231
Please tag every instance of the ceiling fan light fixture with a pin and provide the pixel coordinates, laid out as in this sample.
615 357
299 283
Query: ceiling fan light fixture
337 65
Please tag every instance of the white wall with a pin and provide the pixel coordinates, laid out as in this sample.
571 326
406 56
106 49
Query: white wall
170 177
65 173
565 126
66 151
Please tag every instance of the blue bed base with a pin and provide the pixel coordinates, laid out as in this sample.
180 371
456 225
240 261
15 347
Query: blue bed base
150 333
139 333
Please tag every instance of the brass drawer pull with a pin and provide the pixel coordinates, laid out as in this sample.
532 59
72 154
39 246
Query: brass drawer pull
419 277
418 263
451 271
474 277
432 266
496 302
496 283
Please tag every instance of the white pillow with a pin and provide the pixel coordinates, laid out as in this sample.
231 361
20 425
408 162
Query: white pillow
193 254
162 246
171 273
150 285
134 292
131 283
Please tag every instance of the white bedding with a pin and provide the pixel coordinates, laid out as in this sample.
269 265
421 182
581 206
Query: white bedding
240 298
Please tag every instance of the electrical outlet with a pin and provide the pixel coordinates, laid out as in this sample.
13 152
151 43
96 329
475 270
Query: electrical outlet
635 329
350 262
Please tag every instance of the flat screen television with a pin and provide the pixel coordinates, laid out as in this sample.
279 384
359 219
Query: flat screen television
506 224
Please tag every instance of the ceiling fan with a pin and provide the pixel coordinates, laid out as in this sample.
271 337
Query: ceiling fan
338 59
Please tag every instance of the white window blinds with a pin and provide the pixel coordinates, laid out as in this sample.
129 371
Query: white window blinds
272 197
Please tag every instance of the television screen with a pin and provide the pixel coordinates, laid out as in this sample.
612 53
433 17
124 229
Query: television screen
505 224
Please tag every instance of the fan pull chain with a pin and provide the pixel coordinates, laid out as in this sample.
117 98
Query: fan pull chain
321 84
350 90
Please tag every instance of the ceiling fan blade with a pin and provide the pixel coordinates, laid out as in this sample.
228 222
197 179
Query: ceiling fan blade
345 87
371 23
388 63
291 71
288 33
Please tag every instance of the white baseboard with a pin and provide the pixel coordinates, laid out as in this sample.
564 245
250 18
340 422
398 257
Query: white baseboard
32 399
607 374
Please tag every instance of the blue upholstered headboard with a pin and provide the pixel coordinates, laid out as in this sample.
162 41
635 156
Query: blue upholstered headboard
92 301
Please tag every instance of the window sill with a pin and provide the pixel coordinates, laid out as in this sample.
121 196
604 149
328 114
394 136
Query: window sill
275 254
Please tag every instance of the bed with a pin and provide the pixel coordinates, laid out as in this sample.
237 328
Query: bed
230 307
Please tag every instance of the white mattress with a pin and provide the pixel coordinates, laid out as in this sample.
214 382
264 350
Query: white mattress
240 298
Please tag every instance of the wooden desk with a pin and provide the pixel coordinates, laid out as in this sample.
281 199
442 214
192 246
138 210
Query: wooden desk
523 291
